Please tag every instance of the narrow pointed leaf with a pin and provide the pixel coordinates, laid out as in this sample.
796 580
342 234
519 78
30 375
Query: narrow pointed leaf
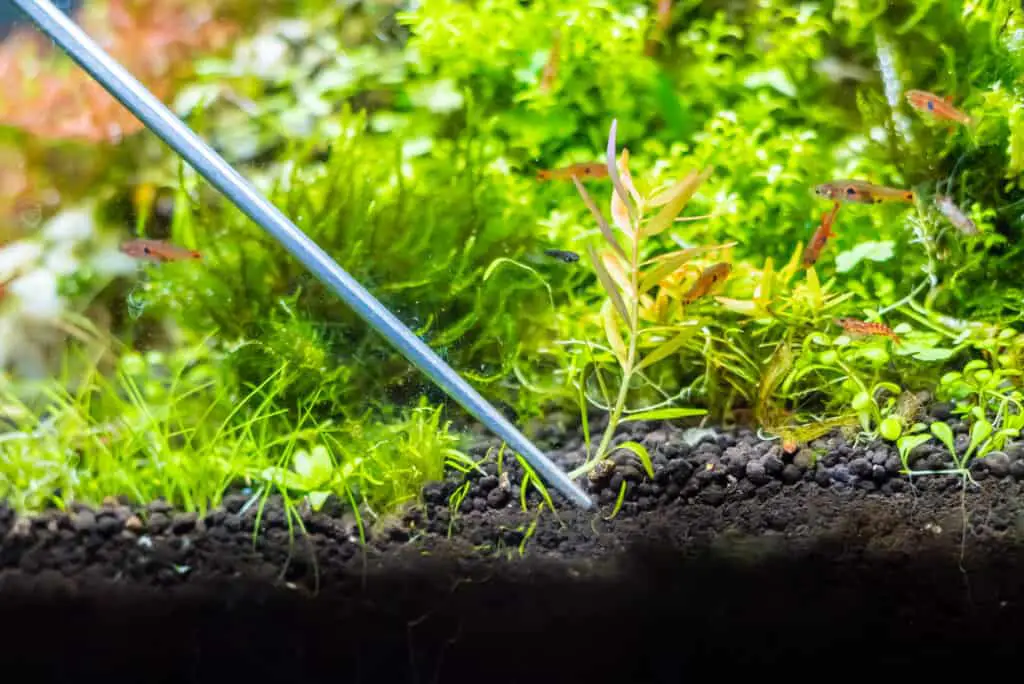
814 288
765 288
641 452
681 194
613 172
666 195
664 414
606 230
666 349
620 213
611 331
608 284
688 250
627 177
618 271
746 307
671 262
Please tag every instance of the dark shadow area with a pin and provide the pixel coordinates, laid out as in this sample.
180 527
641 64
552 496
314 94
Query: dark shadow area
658 614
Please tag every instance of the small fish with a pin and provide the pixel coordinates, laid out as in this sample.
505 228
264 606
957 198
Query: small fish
563 255
157 250
938 107
821 235
862 192
955 215
711 276
858 327
547 79
583 170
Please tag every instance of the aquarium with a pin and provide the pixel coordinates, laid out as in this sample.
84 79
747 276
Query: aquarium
647 324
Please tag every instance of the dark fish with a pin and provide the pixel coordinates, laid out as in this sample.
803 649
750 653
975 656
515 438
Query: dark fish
563 255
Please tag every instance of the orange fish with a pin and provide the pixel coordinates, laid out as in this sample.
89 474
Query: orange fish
862 192
583 170
821 235
938 107
711 276
858 327
547 79
157 250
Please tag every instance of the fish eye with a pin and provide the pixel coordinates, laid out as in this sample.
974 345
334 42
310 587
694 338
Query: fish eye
931 105
145 250
850 191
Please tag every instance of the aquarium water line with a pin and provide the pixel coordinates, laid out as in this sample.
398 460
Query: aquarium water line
63 31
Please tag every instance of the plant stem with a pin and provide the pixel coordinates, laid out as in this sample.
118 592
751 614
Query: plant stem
628 367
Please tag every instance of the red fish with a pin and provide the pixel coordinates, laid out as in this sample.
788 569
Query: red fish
709 277
938 107
584 170
858 327
158 250
821 236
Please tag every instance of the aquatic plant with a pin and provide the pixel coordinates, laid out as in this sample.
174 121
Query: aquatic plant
66 103
628 278
420 234
172 427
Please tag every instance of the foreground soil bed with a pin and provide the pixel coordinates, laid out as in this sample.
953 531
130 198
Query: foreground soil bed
736 555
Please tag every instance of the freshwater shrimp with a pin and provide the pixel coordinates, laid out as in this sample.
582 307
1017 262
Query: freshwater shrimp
711 276
582 170
821 235
955 216
938 107
858 327
862 192
157 250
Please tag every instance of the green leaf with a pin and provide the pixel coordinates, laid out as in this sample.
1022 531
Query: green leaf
908 443
313 467
641 453
774 78
602 222
609 285
611 331
872 251
666 349
922 353
669 263
613 172
317 499
980 431
664 414
676 198
945 435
